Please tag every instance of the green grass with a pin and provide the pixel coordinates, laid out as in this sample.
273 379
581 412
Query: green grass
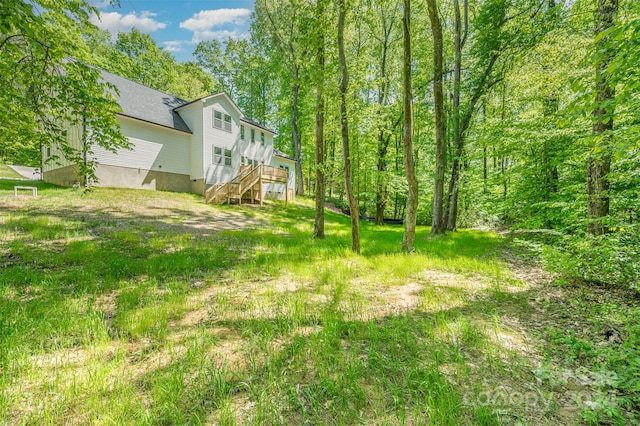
7 172
144 307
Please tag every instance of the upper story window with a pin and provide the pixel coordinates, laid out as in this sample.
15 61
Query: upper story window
262 138
253 135
242 131
221 156
220 119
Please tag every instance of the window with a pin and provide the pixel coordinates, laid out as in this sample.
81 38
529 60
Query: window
218 120
218 156
48 151
262 138
253 135
285 168
242 132
243 160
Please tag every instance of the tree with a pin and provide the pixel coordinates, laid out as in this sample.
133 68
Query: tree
344 120
44 90
437 223
284 21
382 29
599 162
318 225
408 239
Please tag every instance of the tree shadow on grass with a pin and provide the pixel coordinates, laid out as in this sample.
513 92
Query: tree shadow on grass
59 262
417 367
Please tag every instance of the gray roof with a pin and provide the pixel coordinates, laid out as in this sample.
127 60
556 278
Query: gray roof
281 154
255 123
147 104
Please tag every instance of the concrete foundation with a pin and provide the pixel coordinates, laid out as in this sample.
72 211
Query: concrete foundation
198 186
124 177
64 176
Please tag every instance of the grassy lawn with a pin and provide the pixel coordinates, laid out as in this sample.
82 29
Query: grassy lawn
143 307
8 173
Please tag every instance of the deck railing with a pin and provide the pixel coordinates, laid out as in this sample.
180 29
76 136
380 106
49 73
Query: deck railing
246 180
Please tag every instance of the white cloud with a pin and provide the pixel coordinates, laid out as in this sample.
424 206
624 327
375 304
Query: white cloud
173 46
208 19
115 22
206 24
199 36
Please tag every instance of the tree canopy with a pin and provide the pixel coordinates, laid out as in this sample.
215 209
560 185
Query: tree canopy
524 112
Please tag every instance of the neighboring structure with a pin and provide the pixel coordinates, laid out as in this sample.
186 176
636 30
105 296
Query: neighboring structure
181 146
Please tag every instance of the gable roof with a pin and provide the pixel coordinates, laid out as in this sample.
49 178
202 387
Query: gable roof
256 124
147 104
234 105
215 95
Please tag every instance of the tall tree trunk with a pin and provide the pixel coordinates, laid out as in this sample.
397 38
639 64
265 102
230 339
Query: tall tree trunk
296 136
318 225
381 190
451 209
344 85
599 163
409 237
384 137
437 224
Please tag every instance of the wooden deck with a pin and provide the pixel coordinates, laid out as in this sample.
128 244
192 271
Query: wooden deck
249 180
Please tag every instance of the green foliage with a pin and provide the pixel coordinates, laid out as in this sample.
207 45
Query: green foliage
138 57
609 259
44 90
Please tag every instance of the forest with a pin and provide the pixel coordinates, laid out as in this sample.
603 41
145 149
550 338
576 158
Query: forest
519 115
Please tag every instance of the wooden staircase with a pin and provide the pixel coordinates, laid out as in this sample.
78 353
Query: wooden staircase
249 180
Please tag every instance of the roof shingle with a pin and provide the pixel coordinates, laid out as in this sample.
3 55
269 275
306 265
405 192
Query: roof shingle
147 104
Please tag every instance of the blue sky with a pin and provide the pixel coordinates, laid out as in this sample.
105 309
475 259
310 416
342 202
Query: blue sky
177 25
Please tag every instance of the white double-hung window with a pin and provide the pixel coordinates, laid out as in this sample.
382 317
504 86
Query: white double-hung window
221 120
221 156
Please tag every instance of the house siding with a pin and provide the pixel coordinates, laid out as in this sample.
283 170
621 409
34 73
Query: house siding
214 137
153 148
56 160
274 190
192 116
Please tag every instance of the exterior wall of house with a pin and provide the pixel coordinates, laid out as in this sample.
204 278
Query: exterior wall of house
53 156
192 116
276 190
241 150
64 176
154 148
138 178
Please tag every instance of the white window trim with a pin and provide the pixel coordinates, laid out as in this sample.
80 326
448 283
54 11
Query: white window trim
221 158
222 123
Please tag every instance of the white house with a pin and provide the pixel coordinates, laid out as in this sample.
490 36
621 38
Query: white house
183 146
